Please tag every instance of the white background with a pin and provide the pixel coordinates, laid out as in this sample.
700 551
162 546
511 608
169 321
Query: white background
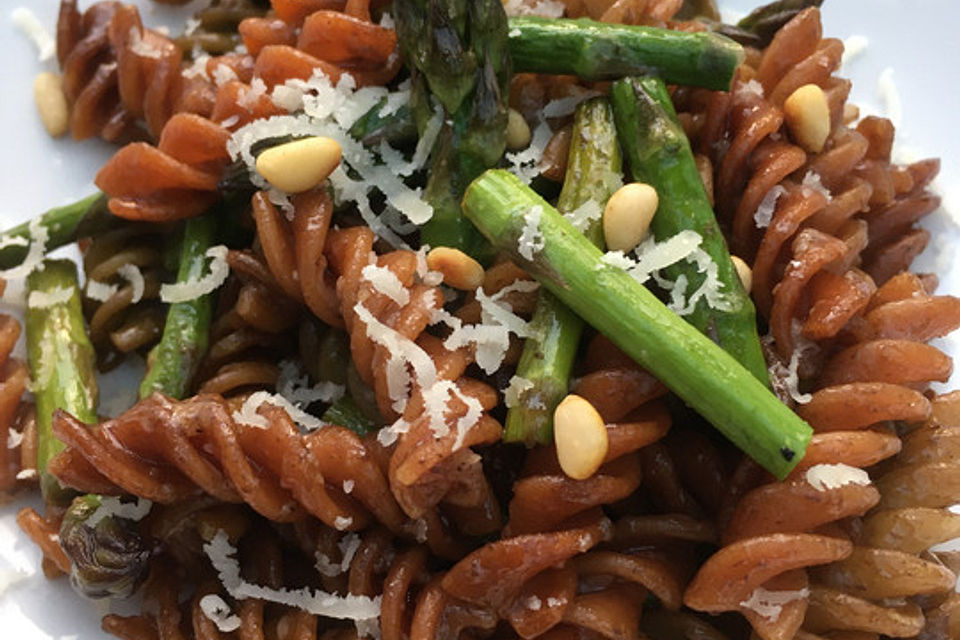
916 38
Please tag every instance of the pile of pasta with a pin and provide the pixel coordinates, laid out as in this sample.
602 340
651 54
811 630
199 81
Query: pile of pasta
426 534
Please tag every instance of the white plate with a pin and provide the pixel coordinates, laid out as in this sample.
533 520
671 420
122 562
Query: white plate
916 38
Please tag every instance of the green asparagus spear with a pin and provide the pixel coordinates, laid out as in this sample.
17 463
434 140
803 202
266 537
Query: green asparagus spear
108 556
61 360
346 413
709 379
187 329
397 128
765 21
457 52
658 153
600 51
593 173
61 224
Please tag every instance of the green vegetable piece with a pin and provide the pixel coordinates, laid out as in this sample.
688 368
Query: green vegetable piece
396 129
457 52
346 413
705 376
63 225
658 153
593 173
601 51
108 558
186 332
62 361
765 21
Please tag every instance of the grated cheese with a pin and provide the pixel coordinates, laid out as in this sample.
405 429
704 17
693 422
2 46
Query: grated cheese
524 163
853 47
340 523
224 73
14 439
792 379
141 47
534 603
100 291
890 97
45 300
28 24
752 86
386 282
190 290
132 274
764 213
320 603
348 546
585 215
531 238
556 602
295 387
515 391
348 486
811 180
543 8
26 474
111 507
248 413
219 613
36 249
823 477
565 106
769 604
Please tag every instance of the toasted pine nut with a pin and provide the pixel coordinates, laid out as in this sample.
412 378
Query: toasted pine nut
807 113
627 216
744 272
51 103
518 131
580 436
459 270
299 165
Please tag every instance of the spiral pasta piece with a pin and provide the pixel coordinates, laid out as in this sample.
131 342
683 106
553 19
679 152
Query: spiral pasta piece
178 177
157 450
17 430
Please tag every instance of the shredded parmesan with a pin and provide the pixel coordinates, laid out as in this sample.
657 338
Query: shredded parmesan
752 86
534 603
320 603
37 248
348 486
853 47
111 507
45 300
249 415
14 439
132 274
811 180
26 474
223 73
524 163
543 8
30 26
515 391
764 213
348 549
769 604
100 291
185 291
585 215
833 476
219 613
386 282
340 523
531 238
141 47
792 379
890 96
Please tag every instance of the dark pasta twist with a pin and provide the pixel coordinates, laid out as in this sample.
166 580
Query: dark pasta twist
17 428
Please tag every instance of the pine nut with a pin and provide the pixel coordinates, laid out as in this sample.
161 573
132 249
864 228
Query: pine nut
808 116
51 103
580 436
744 272
459 270
518 131
627 216
299 165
